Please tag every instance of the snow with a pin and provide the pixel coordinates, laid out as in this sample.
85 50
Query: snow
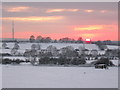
27 76
112 47
9 51
0 77
24 46
90 61
101 52
6 50
115 62
58 45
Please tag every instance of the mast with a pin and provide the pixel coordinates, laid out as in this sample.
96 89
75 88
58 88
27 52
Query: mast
13 30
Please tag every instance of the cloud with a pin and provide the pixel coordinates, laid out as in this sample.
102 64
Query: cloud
76 10
17 9
89 27
39 19
89 11
61 10
96 11
103 11
95 27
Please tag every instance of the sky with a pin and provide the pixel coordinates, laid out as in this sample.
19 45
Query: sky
89 20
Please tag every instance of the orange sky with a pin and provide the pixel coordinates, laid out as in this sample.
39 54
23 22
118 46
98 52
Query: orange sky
58 20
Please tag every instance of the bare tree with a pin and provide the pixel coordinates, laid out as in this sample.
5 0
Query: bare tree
68 52
33 47
94 53
4 45
81 50
16 46
38 46
14 51
53 50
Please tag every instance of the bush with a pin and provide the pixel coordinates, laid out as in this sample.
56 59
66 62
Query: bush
53 61
104 61
44 60
17 61
61 60
9 61
6 54
6 61
78 61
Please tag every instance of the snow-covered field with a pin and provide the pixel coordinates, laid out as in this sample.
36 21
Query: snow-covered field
24 46
58 45
27 76
0 77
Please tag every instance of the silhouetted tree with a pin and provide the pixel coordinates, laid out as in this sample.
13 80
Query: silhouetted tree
55 41
107 42
80 40
48 39
39 38
32 38
66 40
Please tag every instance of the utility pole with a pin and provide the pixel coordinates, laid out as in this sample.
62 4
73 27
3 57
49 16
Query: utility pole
13 30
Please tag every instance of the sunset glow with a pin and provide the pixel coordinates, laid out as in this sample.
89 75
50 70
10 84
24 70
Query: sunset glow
103 11
95 21
88 40
17 9
47 18
62 10
89 11
88 35
89 28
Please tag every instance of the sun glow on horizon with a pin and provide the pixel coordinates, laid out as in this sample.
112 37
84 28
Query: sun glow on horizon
88 39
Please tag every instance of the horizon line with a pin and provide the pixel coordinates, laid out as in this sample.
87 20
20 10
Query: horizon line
57 39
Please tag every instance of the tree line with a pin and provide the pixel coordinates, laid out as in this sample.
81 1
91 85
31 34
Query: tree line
48 40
